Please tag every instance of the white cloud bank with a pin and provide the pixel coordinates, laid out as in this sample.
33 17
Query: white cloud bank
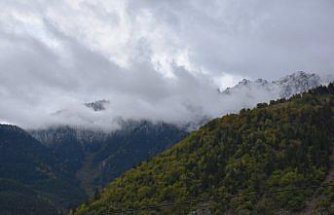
158 60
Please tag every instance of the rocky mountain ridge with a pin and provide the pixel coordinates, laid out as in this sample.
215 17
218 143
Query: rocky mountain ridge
284 87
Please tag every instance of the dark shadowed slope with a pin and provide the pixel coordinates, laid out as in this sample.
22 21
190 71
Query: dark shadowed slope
31 179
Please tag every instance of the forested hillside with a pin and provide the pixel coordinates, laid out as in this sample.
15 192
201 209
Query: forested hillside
274 158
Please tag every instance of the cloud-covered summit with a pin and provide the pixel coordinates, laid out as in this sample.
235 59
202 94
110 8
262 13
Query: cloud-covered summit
107 114
152 59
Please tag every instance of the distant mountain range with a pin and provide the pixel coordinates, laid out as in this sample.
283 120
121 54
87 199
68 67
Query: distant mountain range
285 87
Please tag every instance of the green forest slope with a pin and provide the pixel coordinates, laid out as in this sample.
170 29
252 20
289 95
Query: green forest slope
273 158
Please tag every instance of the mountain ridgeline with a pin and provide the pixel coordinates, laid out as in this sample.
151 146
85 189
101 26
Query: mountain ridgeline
275 158
284 87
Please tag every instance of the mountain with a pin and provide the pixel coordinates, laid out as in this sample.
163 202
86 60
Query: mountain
97 105
31 179
276 158
97 157
285 87
297 83
56 168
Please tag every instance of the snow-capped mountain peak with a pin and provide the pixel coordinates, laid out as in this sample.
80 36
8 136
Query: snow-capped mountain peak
297 82
284 87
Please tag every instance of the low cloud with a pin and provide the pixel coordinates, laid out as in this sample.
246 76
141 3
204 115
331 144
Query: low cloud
151 59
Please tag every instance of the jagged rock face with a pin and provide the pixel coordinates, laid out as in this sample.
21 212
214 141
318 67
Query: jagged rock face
283 88
245 85
297 83
97 105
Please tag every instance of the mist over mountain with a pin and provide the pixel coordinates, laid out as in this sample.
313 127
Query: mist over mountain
92 89
82 161
97 105
106 114
97 155
274 158
284 87
248 93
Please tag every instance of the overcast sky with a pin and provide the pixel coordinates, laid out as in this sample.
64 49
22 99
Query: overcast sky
151 59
